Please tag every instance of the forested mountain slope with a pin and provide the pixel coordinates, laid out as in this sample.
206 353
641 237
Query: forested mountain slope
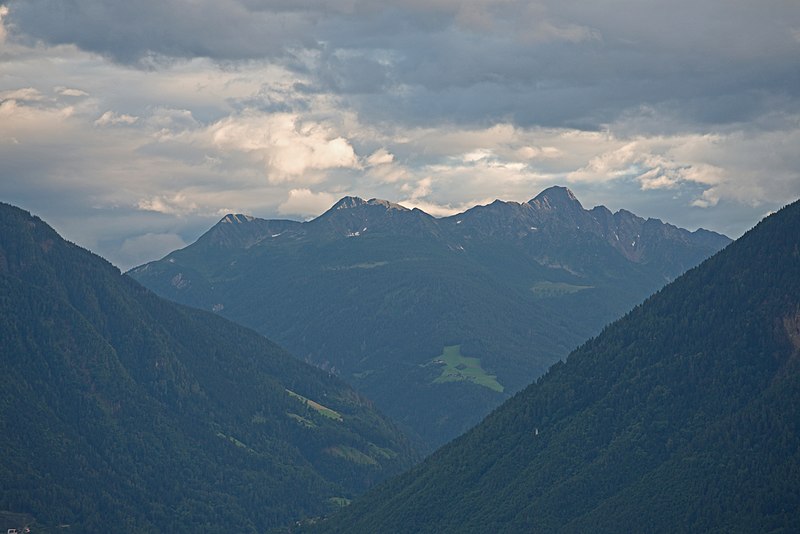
123 412
436 320
684 416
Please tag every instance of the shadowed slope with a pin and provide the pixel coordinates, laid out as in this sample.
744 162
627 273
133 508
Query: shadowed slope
684 416
123 412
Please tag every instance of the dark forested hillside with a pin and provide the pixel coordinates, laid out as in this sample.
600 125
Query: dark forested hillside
684 416
122 412
436 320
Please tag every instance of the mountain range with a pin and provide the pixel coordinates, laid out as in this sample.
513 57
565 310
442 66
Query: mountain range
438 320
123 412
683 416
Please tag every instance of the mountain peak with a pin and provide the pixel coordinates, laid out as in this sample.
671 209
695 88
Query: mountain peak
348 202
386 204
236 218
555 197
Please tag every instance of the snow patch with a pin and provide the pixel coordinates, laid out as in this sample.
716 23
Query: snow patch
179 282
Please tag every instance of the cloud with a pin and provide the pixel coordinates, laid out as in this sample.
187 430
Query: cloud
25 94
110 118
304 202
545 63
177 204
443 210
380 157
67 91
3 15
119 120
288 147
142 248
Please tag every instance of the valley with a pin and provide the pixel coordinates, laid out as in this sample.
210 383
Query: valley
682 416
372 292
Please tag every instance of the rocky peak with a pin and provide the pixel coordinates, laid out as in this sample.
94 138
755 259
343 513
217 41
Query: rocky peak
236 218
348 202
353 216
386 204
555 198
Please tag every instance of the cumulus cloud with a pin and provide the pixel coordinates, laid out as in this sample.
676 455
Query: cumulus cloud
161 115
288 147
380 157
304 202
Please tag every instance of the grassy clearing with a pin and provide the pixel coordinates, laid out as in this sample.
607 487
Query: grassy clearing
324 410
460 368
556 289
235 442
381 452
351 455
339 502
302 420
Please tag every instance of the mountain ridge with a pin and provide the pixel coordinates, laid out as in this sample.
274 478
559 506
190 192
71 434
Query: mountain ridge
375 293
551 200
682 416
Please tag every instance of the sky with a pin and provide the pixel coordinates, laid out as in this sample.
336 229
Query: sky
132 127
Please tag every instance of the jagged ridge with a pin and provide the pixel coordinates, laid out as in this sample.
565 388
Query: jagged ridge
375 293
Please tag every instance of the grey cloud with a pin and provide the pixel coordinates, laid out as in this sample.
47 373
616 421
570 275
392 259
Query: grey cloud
129 31
142 248
546 63
398 75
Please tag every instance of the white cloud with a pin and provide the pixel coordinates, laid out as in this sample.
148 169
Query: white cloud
420 189
380 157
443 209
431 208
177 204
288 147
709 198
25 94
656 178
111 118
476 155
3 31
304 202
68 91
535 152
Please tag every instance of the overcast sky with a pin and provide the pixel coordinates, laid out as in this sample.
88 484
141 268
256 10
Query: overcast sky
132 127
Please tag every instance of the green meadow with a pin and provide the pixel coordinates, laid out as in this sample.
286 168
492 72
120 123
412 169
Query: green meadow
324 410
459 368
